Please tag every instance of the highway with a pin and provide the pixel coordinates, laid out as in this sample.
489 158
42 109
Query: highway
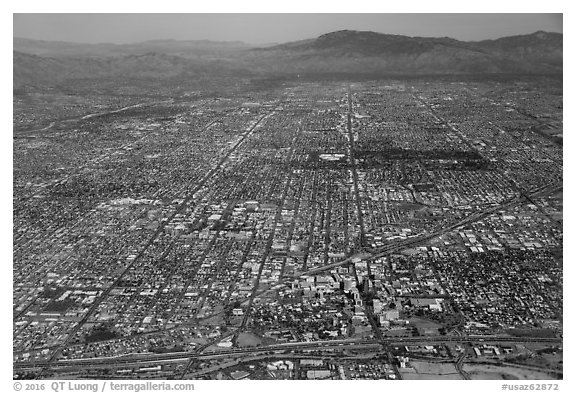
460 363
160 229
199 353
416 241
386 250
137 359
18 134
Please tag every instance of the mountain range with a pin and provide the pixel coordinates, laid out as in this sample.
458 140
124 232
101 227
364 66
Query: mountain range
41 63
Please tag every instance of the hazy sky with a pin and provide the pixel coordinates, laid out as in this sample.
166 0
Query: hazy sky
268 28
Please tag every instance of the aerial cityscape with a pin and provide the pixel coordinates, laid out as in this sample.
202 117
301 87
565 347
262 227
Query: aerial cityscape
208 210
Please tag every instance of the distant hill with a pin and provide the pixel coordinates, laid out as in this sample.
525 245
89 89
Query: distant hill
32 70
537 49
38 63
368 52
173 47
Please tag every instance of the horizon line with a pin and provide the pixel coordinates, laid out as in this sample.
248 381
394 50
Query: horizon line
271 43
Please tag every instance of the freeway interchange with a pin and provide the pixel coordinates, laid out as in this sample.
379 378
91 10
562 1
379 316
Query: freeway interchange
336 218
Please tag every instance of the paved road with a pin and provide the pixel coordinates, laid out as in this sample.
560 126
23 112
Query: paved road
317 345
460 363
160 229
89 116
